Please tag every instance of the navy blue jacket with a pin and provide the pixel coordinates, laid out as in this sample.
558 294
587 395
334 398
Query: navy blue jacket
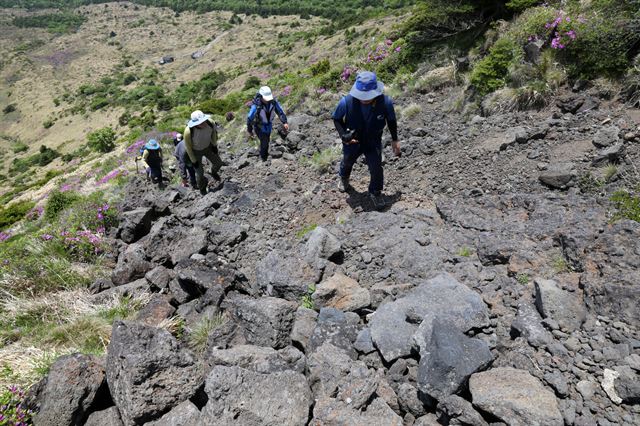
350 113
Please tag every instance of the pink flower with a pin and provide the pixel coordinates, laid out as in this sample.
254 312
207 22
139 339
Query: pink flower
46 237
4 236
398 49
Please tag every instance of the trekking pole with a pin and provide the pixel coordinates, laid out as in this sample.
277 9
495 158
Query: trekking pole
136 161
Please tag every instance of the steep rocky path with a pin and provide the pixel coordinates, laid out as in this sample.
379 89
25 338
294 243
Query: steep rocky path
492 289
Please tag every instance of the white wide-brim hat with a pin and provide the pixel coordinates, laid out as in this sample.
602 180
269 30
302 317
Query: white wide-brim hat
265 92
197 117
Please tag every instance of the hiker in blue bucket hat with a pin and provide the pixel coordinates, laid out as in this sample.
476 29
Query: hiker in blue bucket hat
360 119
152 155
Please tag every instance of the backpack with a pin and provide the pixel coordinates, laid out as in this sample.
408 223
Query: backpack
257 120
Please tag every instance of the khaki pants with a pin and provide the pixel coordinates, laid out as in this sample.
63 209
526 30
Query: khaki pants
210 154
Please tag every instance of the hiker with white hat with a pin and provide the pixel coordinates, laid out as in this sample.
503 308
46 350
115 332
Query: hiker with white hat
152 155
260 118
201 140
360 119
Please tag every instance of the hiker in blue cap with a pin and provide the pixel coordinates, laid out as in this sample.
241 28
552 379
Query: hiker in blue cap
152 155
187 171
360 118
260 118
201 141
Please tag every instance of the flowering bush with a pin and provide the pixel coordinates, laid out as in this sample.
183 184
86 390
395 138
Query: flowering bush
382 52
4 236
563 29
12 409
83 245
112 175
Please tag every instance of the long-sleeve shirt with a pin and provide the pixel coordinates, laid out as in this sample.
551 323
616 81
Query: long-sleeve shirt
181 156
200 144
340 113
266 112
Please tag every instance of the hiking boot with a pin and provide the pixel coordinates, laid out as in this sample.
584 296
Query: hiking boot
203 190
377 200
343 185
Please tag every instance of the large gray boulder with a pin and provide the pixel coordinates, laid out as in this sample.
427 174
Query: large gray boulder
612 154
147 372
322 244
449 361
266 321
74 383
341 292
260 359
184 414
566 308
400 326
515 397
245 398
281 275
169 241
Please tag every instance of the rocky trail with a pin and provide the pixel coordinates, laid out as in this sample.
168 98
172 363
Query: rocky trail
493 289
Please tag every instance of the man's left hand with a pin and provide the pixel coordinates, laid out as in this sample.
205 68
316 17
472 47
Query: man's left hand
286 127
395 146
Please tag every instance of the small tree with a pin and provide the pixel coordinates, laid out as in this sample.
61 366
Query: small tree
102 140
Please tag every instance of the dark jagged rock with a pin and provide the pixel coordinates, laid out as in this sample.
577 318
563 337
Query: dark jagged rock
75 385
131 266
266 321
243 397
612 154
335 327
135 224
157 310
413 400
322 245
449 360
606 137
281 275
159 277
147 372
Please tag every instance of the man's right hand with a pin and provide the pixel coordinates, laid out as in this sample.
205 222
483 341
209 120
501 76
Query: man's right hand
251 135
352 142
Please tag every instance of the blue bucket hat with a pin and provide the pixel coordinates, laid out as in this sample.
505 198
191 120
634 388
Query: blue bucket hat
367 86
152 145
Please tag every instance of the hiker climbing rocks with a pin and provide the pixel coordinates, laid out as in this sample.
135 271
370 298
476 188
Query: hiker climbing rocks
177 138
260 119
152 155
360 118
187 171
201 140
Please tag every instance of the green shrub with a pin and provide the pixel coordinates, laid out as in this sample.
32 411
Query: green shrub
9 108
520 5
48 123
490 73
14 212
57 202
627 205
102 140
60 23
19 147
252 82
320 67
99 102
13 409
